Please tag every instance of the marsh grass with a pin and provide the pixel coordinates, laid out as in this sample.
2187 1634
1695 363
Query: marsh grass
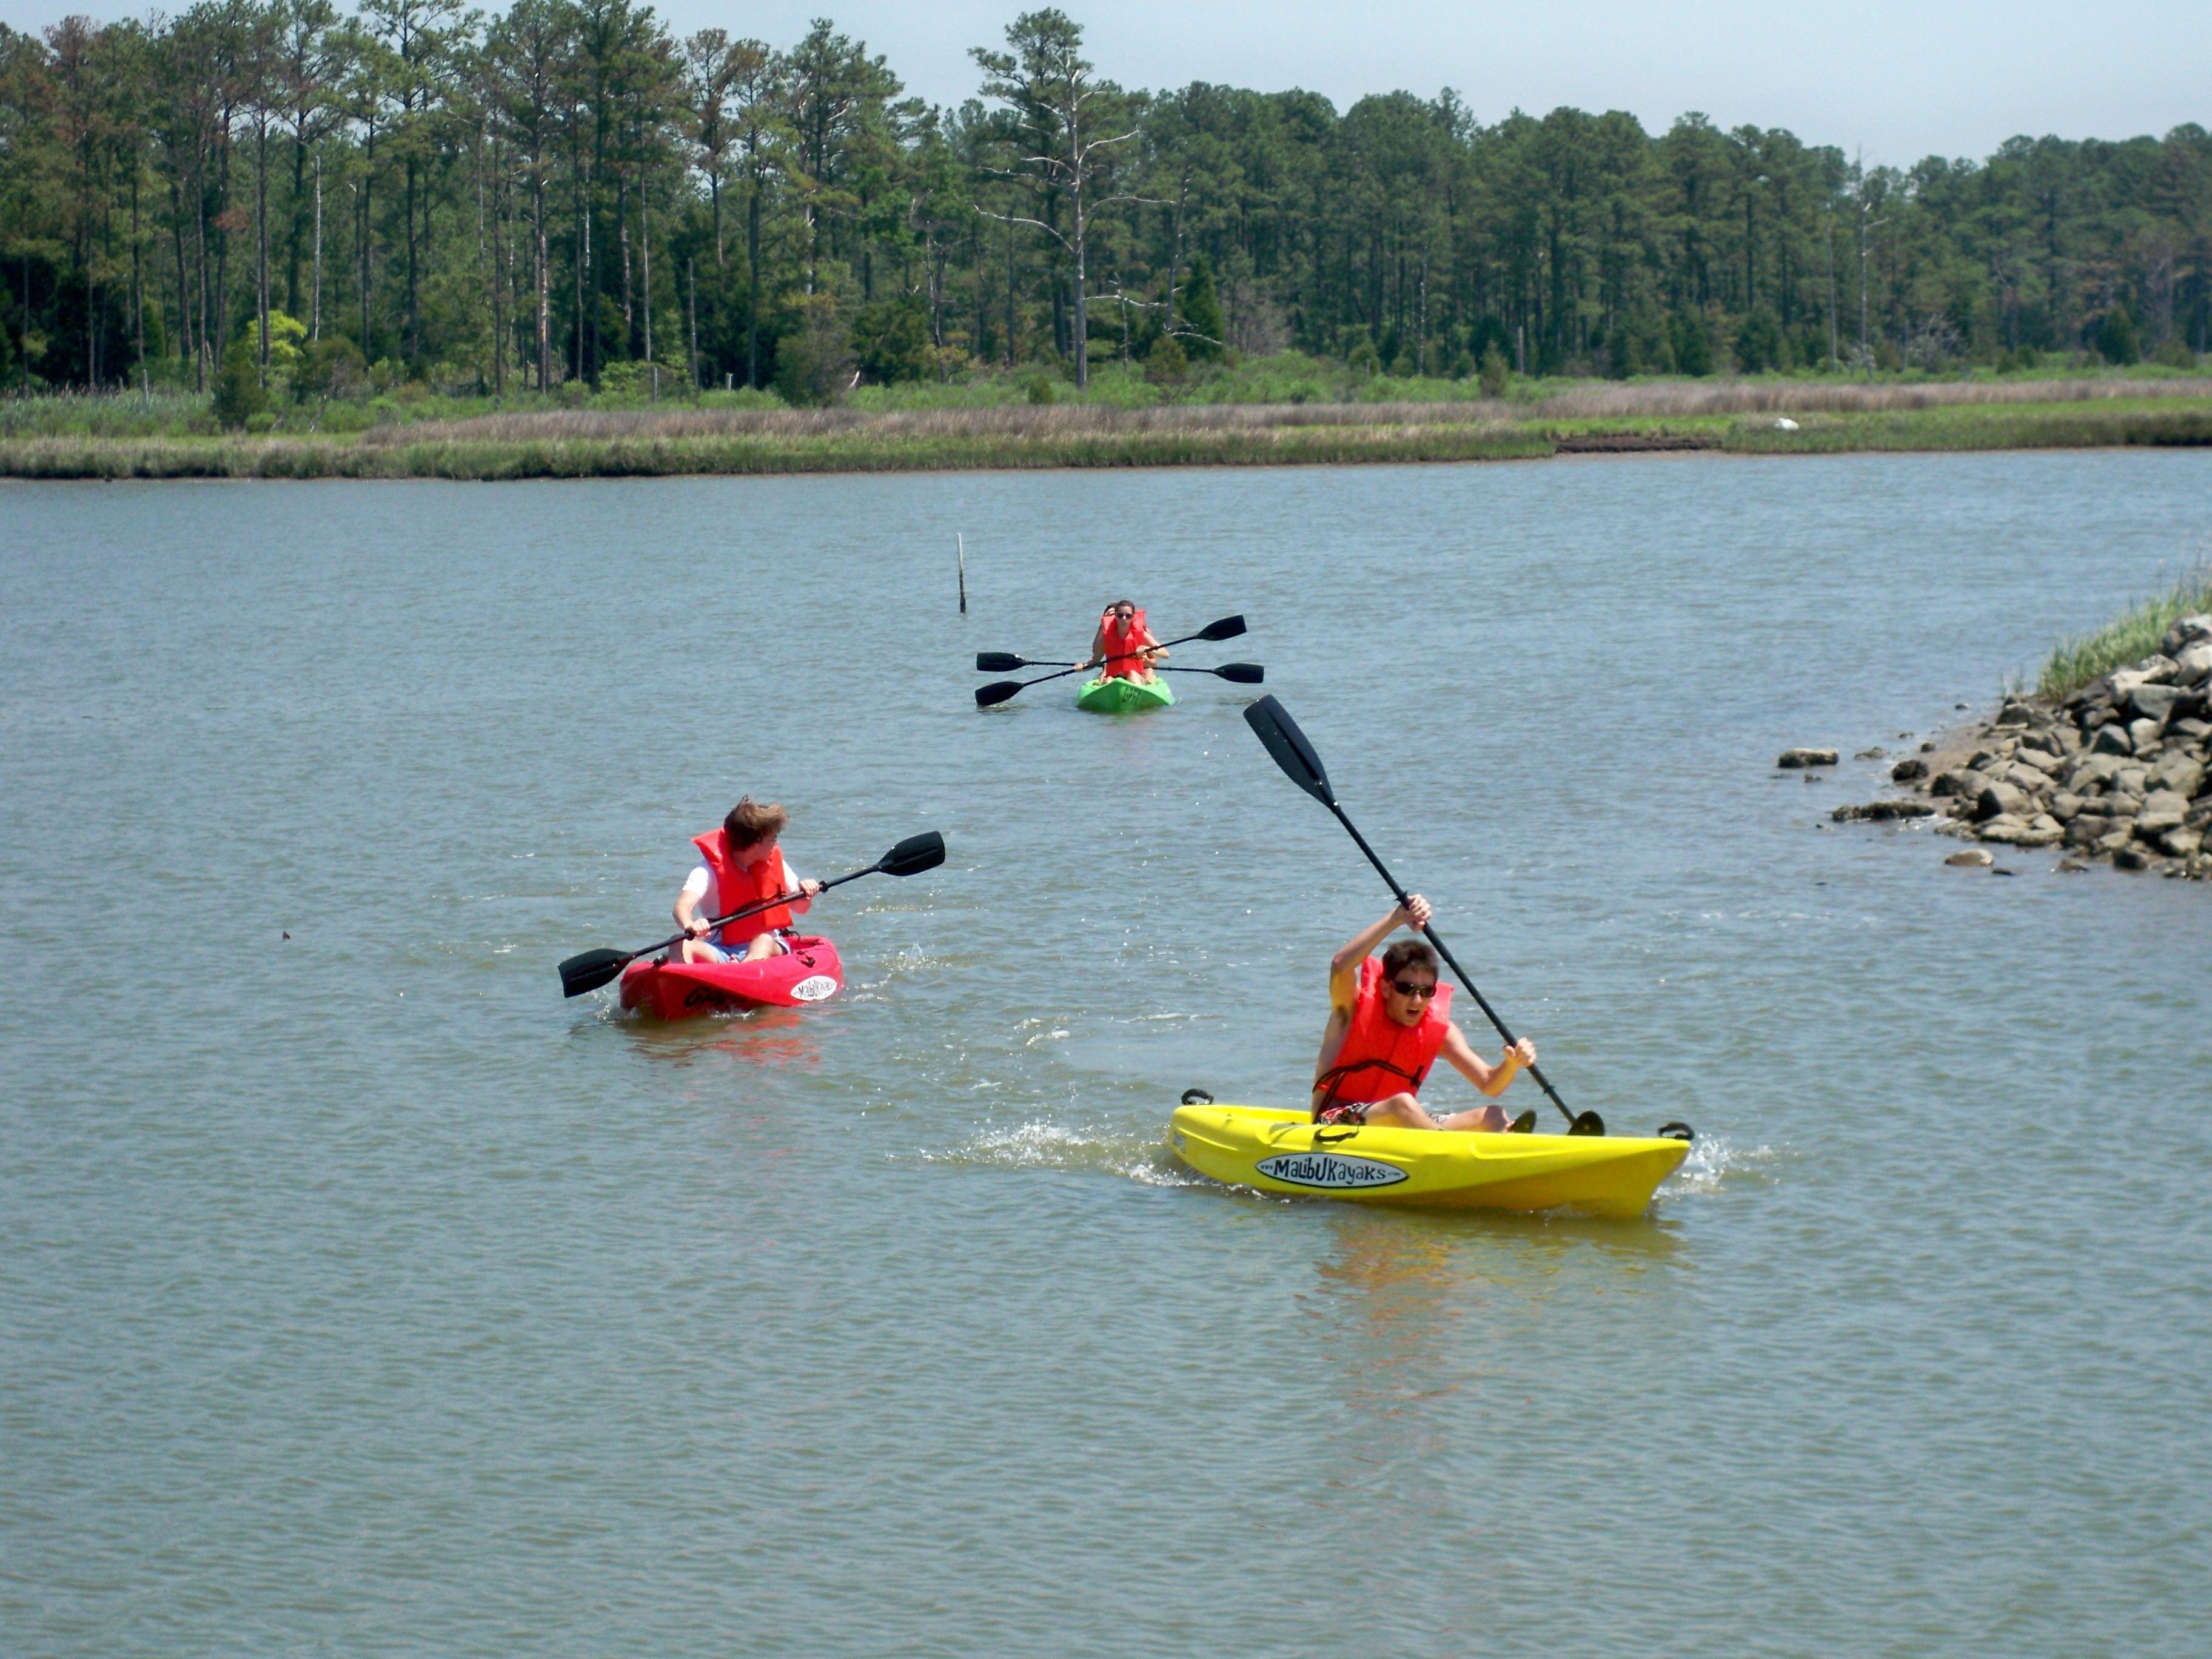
2128 638
746 433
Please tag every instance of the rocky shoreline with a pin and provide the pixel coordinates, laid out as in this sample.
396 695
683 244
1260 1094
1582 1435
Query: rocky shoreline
2117 770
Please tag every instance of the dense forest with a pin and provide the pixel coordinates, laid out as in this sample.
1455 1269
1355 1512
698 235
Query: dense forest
567 192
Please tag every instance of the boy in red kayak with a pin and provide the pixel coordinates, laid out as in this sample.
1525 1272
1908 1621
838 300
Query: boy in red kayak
1388 1022
1123 646
743 865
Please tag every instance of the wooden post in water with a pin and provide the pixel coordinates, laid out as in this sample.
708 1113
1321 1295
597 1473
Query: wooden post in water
961 541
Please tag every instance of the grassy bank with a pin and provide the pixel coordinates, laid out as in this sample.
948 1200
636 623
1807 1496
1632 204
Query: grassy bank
453 439
2127 639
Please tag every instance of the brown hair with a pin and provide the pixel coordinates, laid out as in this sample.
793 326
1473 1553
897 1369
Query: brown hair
750 823
1118 604
1408 953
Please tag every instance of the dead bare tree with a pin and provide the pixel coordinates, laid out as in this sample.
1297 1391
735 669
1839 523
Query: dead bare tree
1057 109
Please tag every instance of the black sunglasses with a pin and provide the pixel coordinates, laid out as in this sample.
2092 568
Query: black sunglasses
1414 988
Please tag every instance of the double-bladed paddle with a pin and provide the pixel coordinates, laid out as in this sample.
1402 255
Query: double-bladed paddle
1005 662
999 691
1281 735
593 968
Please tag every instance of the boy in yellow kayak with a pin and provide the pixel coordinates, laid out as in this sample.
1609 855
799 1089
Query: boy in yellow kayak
1388 1022
741 864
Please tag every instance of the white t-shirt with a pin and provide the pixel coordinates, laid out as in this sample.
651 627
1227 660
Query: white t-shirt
702 886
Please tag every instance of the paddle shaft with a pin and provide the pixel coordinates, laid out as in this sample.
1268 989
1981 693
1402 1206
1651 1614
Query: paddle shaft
1100 662
743 911
1451 961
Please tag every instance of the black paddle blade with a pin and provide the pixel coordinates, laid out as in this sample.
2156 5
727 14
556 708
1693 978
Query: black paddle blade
914 855
1587 1123
996 662
1244 673
1280 736
591 970
1227 629
996 691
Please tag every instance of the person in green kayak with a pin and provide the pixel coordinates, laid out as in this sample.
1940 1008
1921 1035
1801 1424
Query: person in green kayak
741 864
1389 1020
1123 646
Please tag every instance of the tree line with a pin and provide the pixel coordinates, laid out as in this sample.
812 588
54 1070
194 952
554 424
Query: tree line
567 192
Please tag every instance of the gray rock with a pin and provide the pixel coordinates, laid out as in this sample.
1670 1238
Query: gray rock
1972 858
2131 858
2153 702
2065 805
2182 843
2117 842
2185 632
2193 666
2038 759
1875 753
2190 730
2003 827
2072 866
1908 771
2001 800
2144 732
1964 784
1877 811
2151 671
1794 759
1928 747
2015 714
2182 773
2087 830
2045 740
2042 830
2162 810
2133 781
2113 740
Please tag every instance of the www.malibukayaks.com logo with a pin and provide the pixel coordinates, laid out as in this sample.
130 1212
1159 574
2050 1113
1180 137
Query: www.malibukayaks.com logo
1331 1170
813 988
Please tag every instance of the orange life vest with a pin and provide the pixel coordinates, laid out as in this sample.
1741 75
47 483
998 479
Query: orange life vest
1379 1056
738 886
1123 660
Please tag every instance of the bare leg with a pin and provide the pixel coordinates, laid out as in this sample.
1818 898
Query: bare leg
693 950
761 948
1402 1111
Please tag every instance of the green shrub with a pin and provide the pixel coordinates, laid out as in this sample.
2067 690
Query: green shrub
1494 372
239 393
1039 387
814 359
331 366
1167 365
890 340
2117 341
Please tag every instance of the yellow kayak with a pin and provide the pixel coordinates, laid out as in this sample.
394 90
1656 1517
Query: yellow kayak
1280 1151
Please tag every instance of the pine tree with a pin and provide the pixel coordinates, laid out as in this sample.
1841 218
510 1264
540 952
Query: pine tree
1198 315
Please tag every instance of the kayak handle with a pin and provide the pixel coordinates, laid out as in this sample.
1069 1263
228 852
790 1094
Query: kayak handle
1196 1097
1677 1131
1330 1137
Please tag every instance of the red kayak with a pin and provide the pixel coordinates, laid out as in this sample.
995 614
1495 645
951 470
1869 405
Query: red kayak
808 972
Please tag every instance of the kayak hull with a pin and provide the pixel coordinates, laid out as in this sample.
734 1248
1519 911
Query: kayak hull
1285 1152
1123 696
809 972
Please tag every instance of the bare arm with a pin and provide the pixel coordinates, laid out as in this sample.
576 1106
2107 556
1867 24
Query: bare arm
1343 966
1487 1079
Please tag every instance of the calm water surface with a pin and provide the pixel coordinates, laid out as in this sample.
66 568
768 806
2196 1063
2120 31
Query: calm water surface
360 1295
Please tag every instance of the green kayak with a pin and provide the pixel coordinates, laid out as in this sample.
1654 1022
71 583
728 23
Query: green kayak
1123 696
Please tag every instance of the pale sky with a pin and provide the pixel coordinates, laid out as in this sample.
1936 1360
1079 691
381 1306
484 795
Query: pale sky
1954 77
